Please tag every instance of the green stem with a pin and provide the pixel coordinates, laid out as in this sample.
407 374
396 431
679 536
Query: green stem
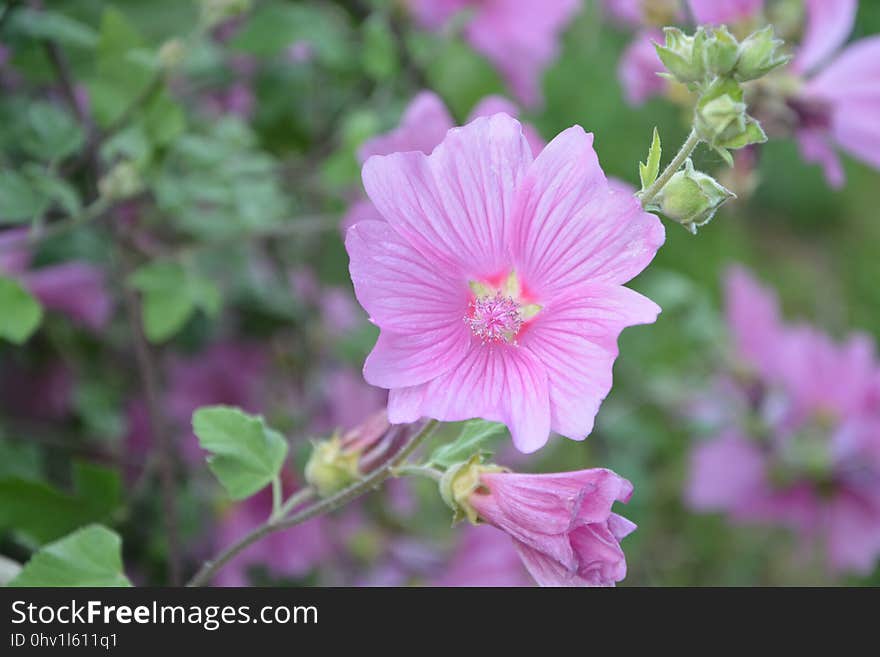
418 471
299 497
684 153
276 498
340 499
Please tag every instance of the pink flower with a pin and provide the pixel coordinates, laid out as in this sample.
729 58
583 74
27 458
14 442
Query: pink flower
422 127
518 36
639 66
75 289
840 99
628 13
719 12
497 281
561 524
805 451
484 556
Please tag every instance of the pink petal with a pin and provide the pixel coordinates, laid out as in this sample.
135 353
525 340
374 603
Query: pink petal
570 228
717 12
361 210
638 68
74 288
497 105
829 23
455 205
403 291
423 125
724 474
501 383
399 361
815 146
854 530
576 340
752 314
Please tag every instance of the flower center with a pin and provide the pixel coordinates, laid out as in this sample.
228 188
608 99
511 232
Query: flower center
498 311
496 318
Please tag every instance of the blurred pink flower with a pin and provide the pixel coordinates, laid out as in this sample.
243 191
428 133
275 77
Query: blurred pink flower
497 281
638 68
719 12
291 553
561 523
520 37
484 556
806 451
422 127
75 289
627 13
839 101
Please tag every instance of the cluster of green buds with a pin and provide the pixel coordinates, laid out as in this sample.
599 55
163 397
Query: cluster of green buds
713 64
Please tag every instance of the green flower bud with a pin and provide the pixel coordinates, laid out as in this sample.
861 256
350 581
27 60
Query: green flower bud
121 182
759 54
721 52
171 54
721 119
691 197
330 468
461 481
683 55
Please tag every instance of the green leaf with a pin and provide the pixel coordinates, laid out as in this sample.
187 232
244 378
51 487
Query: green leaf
52 134
246 454
649 170
53 189
122 72
91 556
19 201
171 294
52 25
9 569
96 495
20 312
474 435
164 120
379 57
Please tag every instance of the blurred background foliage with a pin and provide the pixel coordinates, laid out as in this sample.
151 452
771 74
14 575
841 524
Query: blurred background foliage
231 203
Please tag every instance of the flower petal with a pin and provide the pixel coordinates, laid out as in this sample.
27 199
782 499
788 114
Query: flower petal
423 125
455 206
828 26
501 383
571 229
576 340
401 289
400 361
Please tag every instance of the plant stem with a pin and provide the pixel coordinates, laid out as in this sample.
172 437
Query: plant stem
276 498
419 471
343 497
684 152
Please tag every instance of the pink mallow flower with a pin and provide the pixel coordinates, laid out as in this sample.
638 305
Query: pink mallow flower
839 100
422 127
75 289
639 66
520 37
804 449
497 280
561 524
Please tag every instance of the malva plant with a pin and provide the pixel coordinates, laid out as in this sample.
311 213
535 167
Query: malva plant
494 273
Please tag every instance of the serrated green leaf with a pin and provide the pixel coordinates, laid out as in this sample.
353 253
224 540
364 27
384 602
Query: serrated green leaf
91 556
648 171
246 454
474 435
20 312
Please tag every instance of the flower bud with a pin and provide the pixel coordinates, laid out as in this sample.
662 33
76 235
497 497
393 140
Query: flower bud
691 197
721 119
759 54
460 481
721 52
171 54
330 468
121 182
683 55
